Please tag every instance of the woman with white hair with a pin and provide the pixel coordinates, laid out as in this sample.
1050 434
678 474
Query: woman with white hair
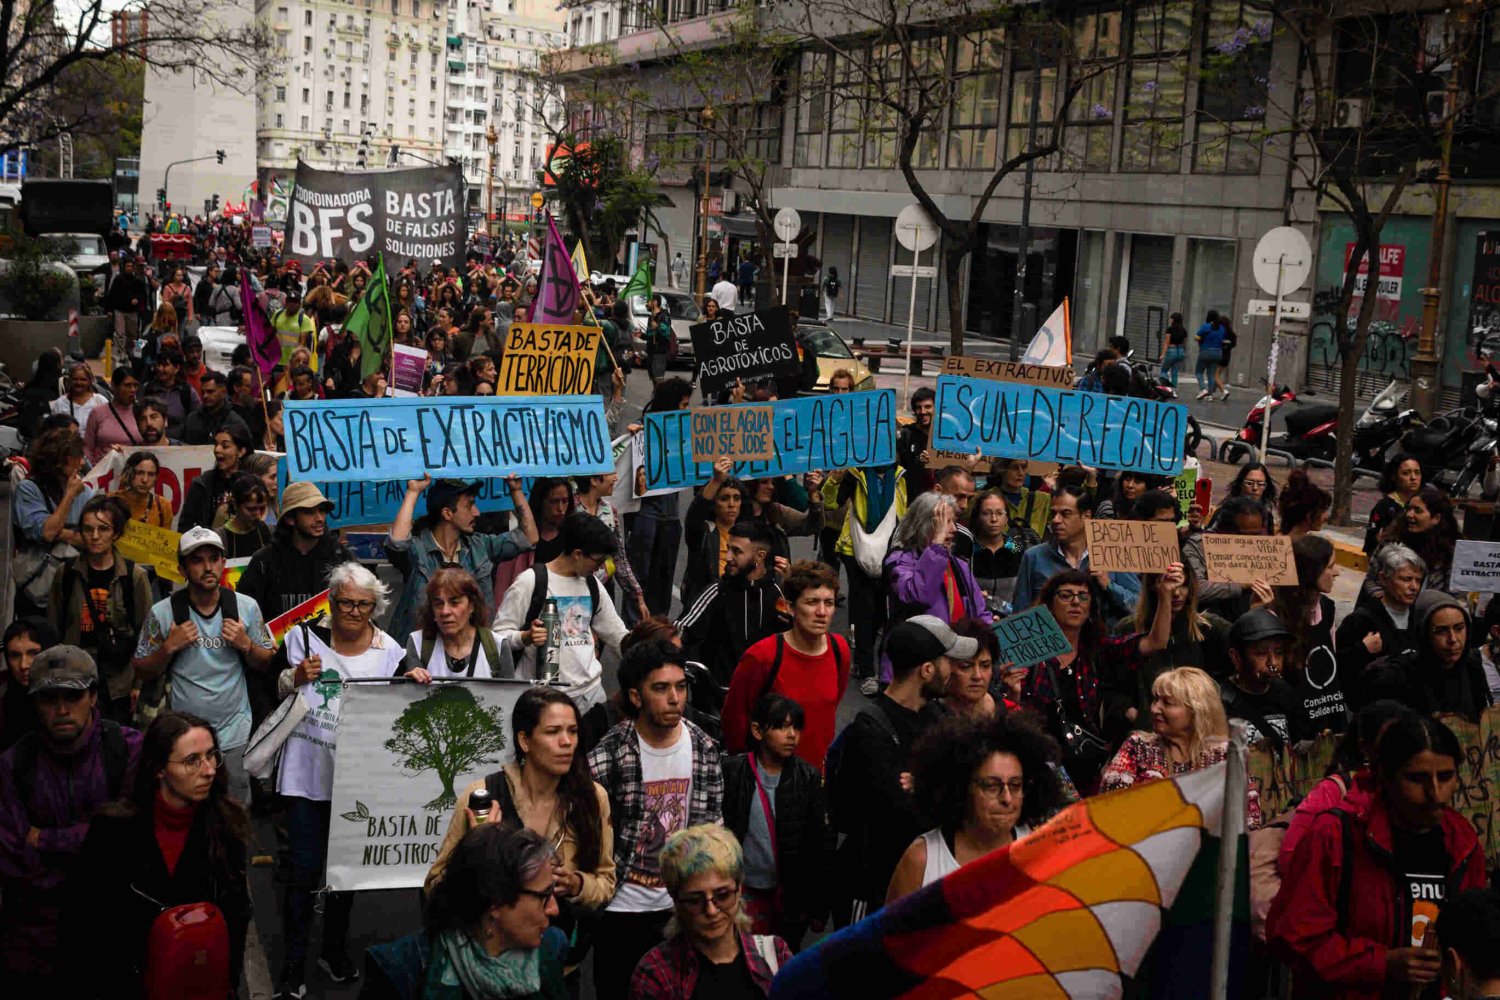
922 575
347 647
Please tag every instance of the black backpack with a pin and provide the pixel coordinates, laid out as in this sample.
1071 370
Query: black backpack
486 642
765 689
112 748
843 812
154 691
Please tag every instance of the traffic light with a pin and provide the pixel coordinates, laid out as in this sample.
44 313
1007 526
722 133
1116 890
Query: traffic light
220 154
166 206
216 203
161 196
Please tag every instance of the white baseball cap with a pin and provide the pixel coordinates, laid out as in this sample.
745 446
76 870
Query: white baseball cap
196 538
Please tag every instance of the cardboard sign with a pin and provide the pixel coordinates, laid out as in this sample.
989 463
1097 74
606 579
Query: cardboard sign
848 430
408 370
1058 377
1476 567
1247 558
757 345
544 360
1011 420
349 440
741 433
1131 546
152 546
1029 637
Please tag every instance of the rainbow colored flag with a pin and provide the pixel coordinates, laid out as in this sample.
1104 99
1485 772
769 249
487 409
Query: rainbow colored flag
233 570
313 607
1070 911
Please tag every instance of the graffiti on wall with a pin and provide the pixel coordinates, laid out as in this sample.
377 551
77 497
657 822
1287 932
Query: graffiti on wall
1387 350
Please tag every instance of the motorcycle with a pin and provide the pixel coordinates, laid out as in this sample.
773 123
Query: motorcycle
1311 428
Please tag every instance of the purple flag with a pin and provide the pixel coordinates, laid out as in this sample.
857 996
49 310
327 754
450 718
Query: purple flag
265 347
557 292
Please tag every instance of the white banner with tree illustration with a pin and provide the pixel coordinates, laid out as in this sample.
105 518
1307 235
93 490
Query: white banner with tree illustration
404 752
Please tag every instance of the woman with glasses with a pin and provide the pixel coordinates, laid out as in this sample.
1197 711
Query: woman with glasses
349 648
999 542
1254 481
709 950
176 837
987 783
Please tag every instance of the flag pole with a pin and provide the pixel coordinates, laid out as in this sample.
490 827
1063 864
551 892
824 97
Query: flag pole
1232 828
390 327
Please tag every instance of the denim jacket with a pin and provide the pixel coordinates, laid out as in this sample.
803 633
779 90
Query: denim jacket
418 557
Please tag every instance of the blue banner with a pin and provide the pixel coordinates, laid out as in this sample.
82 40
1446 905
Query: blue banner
376 502
848 430
341 440
1018 420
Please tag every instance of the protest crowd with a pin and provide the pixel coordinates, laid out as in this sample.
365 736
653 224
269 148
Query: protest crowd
680 809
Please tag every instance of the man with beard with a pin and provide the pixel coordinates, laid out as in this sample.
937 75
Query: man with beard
739 609
1066 547
912 442
203 641
243 399
50 784
215 414
151 422
867 797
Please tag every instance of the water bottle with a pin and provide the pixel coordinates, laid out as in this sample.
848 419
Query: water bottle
552 649
479 802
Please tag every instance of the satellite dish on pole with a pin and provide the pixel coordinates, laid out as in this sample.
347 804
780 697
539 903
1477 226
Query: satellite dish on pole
1288 248
915 230
787 224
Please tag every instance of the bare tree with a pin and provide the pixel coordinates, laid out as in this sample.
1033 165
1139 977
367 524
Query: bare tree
900 70
45 46
1387 59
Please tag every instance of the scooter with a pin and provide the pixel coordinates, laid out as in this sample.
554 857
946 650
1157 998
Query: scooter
1311 429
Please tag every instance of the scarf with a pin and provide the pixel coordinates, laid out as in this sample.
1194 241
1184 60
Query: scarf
462 968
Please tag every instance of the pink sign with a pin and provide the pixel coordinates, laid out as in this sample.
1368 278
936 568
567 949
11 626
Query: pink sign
409 365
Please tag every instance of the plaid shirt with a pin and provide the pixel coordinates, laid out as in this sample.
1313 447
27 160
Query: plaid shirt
616 764
670 970
1099 655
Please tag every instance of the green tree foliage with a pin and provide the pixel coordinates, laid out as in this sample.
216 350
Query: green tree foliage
450 733
32 282
600 192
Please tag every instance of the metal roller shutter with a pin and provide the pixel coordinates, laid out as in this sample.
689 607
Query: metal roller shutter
873 276
1150 283
838 252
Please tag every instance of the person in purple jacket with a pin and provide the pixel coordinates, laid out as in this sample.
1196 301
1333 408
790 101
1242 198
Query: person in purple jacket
51 783
922 574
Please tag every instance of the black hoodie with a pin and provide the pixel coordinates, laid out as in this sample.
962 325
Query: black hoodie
729 617
280 578
1418 680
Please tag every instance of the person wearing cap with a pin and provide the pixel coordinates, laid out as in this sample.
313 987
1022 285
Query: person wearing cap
215 414
293 327
295 566
211 489
51 783
1440 673
24 640
204 640
1255 690
448 538
875 809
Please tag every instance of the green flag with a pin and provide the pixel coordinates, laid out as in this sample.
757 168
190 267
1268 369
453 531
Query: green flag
369 322
639 283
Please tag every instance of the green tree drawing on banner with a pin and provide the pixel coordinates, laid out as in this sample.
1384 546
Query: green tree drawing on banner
448 732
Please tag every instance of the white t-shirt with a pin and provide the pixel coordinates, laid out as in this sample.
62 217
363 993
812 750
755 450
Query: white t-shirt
307 758
666 784
78 411
578 667
438 665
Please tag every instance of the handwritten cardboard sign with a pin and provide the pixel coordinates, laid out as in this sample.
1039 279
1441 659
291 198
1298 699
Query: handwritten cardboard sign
1247 558
1029 637
152 546
1059 377
1476 567
1017 420
1131 546
545 360
741 433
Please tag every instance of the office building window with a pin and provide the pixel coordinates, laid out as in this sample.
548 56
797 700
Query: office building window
1232 89
972 135
811 111
1097 38
1156 86
281 93
1031 72
844 117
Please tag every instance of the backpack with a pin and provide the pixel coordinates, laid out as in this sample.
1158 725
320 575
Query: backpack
113 647
486 642
187 954
765 689
539 594
1265 868
156 693
112 748
842 812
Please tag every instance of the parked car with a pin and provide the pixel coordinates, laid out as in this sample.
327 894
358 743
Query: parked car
90 254
834 354
219 343
684 312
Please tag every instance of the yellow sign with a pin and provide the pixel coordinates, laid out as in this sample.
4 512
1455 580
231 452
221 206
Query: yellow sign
545 360
152 546
537 200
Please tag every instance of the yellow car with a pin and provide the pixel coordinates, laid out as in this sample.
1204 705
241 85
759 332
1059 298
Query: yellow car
833 354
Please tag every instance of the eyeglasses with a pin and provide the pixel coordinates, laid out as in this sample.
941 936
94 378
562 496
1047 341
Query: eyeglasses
1074 596
349 607
194 762
543 895
722 899
992 787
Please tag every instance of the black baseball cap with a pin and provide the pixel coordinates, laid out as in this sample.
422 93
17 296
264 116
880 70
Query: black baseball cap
923 638
445 493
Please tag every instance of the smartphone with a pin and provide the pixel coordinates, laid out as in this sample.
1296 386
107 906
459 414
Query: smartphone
1202 493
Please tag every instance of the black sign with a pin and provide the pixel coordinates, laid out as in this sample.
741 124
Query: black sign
748 347
404 214
1484 298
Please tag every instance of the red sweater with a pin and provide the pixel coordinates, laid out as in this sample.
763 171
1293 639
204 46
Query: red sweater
817 683
172 826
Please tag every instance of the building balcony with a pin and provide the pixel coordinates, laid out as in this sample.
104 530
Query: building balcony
456 65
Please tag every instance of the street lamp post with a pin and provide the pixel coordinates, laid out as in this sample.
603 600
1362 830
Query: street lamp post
1424 364
489 189
708 169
